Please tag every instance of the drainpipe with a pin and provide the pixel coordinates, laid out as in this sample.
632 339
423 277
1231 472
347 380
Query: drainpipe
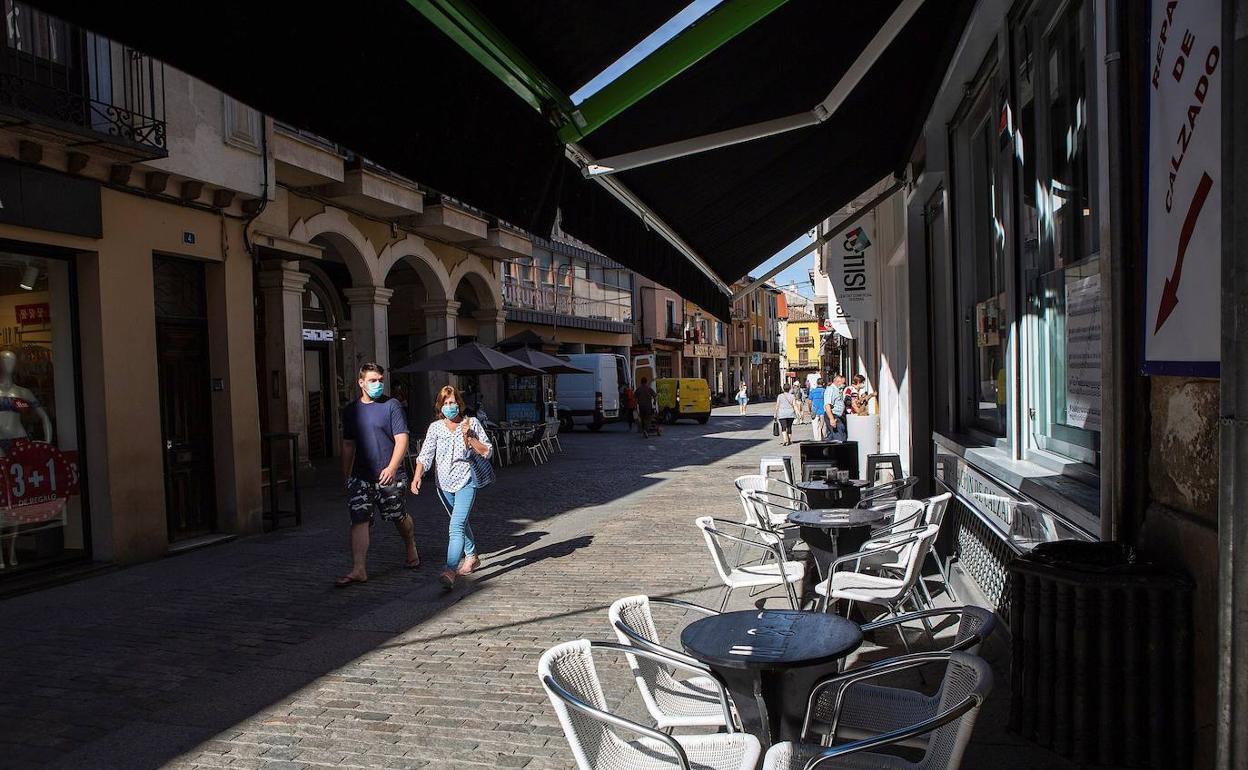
1232 709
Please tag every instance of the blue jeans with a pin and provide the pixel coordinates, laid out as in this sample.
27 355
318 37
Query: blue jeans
461 543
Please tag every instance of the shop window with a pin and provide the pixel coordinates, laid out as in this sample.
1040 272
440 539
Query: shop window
42 518
1059 243
983 300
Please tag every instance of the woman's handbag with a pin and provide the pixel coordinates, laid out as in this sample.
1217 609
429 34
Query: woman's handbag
775 427
481 467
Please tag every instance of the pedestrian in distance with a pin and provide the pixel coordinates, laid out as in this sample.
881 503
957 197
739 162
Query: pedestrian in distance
629 401
374 446
743 398
835 400
645 396
858 396
460 449
785 412
819 419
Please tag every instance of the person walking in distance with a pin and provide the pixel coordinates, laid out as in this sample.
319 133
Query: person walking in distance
785 413
628 402
645 396
819 419
835 399
451 442
374 445
743 397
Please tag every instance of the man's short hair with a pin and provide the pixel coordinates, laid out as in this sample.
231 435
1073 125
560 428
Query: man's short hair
819 382
371 366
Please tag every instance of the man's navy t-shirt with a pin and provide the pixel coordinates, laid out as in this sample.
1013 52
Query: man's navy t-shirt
372 427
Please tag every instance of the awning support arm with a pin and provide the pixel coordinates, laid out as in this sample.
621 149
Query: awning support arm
827 238
821 112
581 158
721 24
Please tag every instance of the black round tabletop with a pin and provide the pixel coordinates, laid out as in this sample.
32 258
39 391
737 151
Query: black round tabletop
753 639
827 484
837 518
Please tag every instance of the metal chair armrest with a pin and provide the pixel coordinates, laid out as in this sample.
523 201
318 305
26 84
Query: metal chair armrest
846 679
777 549
892 526
611 719
911 538
898 619
686 605
896 736
665 656
637 640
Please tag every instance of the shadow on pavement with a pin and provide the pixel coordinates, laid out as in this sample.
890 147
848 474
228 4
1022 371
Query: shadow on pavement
134 667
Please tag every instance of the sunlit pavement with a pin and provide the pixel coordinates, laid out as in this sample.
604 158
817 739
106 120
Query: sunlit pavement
244 656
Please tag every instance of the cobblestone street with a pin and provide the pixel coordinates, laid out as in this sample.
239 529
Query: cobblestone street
244 655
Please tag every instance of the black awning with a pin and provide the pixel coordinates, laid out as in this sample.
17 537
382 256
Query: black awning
377 77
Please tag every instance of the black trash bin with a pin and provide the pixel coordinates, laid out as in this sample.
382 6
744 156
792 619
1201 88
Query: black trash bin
1102 658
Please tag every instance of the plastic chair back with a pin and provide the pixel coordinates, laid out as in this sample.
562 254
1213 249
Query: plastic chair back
966 675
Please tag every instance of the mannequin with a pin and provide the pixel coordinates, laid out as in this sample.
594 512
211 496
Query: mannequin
16 402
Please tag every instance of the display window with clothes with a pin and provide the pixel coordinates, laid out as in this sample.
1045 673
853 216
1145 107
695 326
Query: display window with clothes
43 519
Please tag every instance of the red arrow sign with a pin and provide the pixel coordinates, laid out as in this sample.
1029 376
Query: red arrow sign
1170 294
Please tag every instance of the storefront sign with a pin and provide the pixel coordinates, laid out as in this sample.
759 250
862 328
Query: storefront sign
1083 353
853 273
45 200
318 335
37 314
704 350
1182 326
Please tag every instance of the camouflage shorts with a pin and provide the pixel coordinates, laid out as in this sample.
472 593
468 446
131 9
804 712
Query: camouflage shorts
365 497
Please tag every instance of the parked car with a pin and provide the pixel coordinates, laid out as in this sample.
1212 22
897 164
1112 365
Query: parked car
593 399
687 397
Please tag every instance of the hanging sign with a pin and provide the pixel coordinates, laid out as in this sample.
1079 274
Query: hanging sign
853 273
1182 327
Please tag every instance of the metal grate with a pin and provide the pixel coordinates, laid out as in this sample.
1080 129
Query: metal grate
981 553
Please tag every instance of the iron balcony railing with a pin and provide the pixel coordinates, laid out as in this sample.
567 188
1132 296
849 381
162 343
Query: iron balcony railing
524 295
675 331
61 76
805 342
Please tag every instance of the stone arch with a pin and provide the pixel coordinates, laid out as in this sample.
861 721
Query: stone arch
483 282
356 250
416 253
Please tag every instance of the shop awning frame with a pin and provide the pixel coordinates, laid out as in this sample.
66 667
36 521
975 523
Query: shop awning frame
818 114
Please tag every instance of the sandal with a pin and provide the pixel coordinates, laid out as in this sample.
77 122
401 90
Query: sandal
347 580
447 579
470 563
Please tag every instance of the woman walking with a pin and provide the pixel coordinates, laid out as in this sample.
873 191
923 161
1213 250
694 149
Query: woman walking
786 411
457 445
743 398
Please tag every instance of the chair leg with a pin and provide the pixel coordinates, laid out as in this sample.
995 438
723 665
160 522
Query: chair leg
926 593
788 587
727 595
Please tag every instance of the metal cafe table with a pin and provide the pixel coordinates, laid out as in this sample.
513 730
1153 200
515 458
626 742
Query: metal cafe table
831 493
769 660
833 531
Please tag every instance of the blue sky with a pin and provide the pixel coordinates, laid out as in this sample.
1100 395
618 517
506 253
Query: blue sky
798 273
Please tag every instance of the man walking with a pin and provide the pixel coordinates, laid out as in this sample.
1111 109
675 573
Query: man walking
374 445
645 408
835 398
819 420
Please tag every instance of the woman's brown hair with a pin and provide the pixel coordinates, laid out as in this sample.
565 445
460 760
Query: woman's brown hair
448 391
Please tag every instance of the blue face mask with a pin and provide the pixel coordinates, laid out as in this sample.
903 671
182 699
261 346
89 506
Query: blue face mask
450 411
373 389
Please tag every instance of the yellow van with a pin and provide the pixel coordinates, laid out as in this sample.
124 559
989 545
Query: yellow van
683 397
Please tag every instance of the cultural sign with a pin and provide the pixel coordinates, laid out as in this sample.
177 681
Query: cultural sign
853 273
1182 325
1083 353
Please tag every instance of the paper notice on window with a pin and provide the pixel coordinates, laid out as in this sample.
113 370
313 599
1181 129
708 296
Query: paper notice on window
1083 353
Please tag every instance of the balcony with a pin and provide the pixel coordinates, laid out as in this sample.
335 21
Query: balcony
806 341
675 331
546 304
60 79
523 295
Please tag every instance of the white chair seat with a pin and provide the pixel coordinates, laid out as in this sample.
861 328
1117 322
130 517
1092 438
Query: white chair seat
860 587
738 751
789 756
692 702
766 574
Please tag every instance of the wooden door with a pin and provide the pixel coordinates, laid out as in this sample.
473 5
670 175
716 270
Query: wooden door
185 397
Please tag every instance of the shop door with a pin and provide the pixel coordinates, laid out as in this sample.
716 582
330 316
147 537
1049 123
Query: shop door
185 397
320 405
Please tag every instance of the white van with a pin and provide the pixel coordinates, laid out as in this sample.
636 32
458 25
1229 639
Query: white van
593 399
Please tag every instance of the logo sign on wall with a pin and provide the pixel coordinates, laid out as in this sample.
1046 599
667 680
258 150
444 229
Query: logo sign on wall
854 275
1184 236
